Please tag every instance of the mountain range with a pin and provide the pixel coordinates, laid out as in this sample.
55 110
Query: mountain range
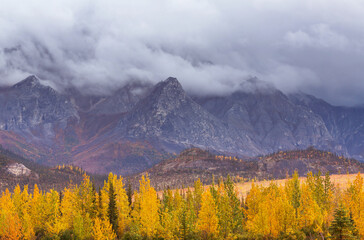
140 125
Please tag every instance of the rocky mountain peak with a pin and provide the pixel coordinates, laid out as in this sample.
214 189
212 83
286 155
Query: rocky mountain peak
166 95
255 85
170 86
30 82
29 104
171 80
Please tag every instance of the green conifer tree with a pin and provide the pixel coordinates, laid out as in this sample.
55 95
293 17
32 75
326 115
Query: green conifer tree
112 210
234 204
129 192
342 227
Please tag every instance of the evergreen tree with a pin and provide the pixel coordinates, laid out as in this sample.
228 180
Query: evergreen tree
112 211
93 201
129 192
184 222
189 217
293 190
197 195
100 208
319 190
236 217
213 189
60 201
342 227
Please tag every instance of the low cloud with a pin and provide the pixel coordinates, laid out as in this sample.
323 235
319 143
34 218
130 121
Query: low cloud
210 46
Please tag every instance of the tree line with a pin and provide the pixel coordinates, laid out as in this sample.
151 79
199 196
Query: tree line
300 209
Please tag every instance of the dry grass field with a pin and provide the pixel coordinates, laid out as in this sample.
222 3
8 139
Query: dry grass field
339 180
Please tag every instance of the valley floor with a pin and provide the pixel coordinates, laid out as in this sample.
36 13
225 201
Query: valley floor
339 180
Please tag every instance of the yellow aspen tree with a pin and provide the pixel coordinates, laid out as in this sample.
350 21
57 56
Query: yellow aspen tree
102 230
172 215
86 197
269 212
81 216
104 197
10 224
168 224
76 212
149 207
52 210
27 227
208 222
82 225
135 216
178 205
262 218
27 224
270 207
36 209
310 215
17 199
253 201
122 205
177 201
68 208
354 200
285 213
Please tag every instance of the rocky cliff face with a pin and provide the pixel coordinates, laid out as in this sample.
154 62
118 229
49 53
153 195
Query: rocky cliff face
170 115
29 105
345 124
123 100
18 169
138 125
272 121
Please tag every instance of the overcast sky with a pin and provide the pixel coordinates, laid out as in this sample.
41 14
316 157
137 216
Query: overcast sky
315 46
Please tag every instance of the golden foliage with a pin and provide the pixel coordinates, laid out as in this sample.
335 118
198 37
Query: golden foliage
294 209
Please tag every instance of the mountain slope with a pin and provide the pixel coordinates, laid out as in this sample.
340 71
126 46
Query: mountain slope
30 105
271 120
171 116
17 170
195 163
345 124
138 125
123 100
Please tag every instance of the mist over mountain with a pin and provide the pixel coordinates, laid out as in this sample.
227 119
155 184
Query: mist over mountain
141 124
211 46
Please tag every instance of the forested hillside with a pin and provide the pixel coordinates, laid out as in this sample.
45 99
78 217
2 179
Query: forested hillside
17 170
194 163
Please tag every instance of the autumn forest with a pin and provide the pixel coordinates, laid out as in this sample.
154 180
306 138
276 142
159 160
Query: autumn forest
313 208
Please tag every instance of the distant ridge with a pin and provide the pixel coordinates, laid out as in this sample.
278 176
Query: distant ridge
195 163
